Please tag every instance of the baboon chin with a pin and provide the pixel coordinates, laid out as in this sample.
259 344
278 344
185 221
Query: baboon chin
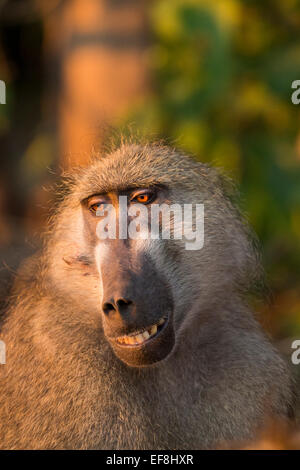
140 342
154 348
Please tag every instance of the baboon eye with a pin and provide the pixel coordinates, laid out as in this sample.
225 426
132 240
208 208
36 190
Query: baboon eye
97 206
143 198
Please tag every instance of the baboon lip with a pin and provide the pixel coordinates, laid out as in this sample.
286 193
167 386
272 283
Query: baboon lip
144 335
150 351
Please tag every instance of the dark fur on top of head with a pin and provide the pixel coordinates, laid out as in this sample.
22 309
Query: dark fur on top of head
63 386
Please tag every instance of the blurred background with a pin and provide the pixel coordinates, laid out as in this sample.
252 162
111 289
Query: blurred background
211 77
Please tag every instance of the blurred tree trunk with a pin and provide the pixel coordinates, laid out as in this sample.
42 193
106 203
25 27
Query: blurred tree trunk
101 45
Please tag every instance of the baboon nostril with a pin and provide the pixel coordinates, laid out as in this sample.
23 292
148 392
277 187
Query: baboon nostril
108 308
123 304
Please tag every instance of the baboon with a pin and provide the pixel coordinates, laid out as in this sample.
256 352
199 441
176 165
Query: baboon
139 343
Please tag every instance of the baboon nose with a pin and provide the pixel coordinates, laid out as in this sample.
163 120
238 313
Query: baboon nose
121 306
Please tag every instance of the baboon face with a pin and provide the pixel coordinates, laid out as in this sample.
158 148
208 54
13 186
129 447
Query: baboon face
151 289
136 299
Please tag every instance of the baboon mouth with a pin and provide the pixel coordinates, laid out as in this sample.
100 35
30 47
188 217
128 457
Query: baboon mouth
142 336
147 346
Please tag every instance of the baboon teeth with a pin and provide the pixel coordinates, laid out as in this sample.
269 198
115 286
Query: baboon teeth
143 335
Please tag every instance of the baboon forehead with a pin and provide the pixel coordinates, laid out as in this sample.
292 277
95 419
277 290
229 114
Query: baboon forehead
141 166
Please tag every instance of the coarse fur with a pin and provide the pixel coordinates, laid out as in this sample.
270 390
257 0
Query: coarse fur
64 388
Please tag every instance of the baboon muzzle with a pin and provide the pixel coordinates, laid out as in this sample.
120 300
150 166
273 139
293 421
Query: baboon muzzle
137 308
